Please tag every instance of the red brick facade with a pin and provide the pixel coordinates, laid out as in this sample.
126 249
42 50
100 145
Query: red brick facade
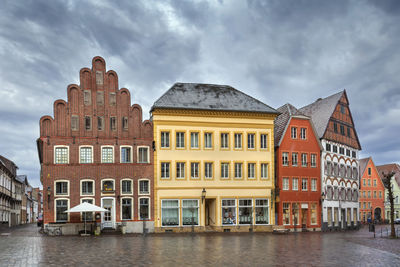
96 114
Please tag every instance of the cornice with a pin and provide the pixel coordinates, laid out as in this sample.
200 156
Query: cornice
213 113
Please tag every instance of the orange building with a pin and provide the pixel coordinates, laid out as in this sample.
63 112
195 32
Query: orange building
298 170
372 192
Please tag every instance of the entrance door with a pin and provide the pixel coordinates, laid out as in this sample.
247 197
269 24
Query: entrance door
343 215
210 212
304 218
108 216
377 214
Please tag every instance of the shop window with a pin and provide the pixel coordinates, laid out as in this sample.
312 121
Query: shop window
286 213
169 212
245 211
262 211
313 213
87 216
190 212
228 211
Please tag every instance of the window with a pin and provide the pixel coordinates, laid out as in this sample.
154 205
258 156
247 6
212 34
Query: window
313 160
245 211
144 209
329 216
313 213
100 98
285 158
107 186
107 154
85 155
335 149
304 184
224 170
328 147
113 123
380 194
369 171
313 184
180 140
262 211
295 184
285 184
164 169
113 99
207 140
180 170
264 170
61 188
251 170
228 211
144 187
251 141
169 212
190 212
208 170
61 155
100 123
61 207
165 139
304 160
126 154
124 123
369 182
87 97
295 213
341 150
143 154
293 132
353 154
87 216
294 159
286 213
335 127
194 140
374 182
342 109
238 140
88 123
87 188
126 187
374 194
194 170
303 133
126 208
264 141
99 77
224 140
342 130
238 170
348 152
355 173
74 123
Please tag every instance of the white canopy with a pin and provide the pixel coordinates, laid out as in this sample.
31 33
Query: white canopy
85 207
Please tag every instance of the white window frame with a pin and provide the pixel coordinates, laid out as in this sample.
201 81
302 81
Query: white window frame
293 132
179 213
169 170
313 158
303 133
251 141
223 170
304 160
235 208
264 170
54 153
144 194
285 155
236 170
192 137
198 211
149 199
120 186
55 208
180 172
91 152
164 140
206 142
314 184
238 140
252 211
224 140
180 141
194 166
295 188
55 188
263 141
295 163
132 209
212 170
81 187
251 172
120 153
113 154
257 206
285 183
138 154
302 188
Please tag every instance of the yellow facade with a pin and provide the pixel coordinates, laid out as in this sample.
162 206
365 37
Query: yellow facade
186 142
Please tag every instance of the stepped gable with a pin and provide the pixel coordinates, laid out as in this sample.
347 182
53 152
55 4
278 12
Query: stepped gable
197 96
286 112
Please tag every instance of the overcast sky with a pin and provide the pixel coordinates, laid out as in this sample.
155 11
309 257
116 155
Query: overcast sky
277 51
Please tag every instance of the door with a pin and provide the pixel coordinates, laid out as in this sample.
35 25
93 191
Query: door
210 212
108 216
343 215
304 218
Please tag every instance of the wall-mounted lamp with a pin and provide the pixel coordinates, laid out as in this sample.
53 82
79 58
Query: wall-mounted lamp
323 196
48 195
203 195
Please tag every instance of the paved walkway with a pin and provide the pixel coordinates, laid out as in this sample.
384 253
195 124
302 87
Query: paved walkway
24 246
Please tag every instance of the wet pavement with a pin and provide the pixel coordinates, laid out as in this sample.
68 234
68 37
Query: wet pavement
24 246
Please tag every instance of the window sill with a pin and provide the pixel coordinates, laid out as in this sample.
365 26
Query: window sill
108 192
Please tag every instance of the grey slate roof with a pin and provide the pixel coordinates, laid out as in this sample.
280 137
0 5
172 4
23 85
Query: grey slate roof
363 164
321 110
209 97
21 178
282 120
12 168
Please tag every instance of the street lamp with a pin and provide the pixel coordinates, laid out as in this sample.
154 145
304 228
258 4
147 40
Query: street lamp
203 195
48 196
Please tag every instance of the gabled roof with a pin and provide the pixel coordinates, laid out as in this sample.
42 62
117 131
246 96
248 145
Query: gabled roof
321 111
11 167
363 164
389 168
22 179
281 122
209 97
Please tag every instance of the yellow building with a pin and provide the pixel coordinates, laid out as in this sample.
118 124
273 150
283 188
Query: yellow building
213 160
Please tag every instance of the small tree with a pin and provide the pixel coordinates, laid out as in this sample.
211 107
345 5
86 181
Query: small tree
387 182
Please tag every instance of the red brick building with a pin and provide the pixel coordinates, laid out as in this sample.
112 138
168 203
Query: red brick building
372 192
97 149
298 178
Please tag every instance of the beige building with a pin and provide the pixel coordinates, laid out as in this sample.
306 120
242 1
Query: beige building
213 160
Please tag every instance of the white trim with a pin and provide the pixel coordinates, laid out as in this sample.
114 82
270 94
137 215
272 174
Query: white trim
236 212
55 188
55 208
179 213
132 208
120 153
268 210
112 213
120 187
80 188
54 153
79 152
198 211
139 208
144 179
148 154
101 186
101 154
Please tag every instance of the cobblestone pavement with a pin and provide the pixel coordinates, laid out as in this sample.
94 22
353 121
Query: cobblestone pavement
24 246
